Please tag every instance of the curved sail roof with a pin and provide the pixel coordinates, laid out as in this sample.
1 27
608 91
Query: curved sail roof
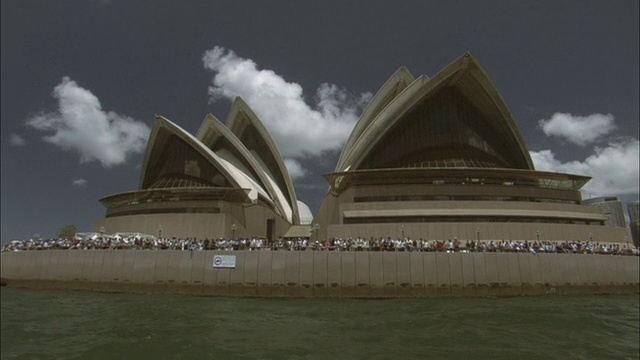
175 158
391 88
246 126
453 119
217 137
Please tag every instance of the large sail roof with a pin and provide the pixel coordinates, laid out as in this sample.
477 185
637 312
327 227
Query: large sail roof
457 118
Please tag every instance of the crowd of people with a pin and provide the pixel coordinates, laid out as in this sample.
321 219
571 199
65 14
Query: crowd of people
141 242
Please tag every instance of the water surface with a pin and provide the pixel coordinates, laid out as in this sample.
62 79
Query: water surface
85 325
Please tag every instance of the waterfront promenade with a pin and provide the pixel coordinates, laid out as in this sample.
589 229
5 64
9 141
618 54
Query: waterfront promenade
138 242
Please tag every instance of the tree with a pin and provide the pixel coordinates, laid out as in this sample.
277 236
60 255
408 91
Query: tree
67 232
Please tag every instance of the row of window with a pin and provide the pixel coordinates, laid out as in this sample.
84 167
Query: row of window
458 198
466 219
208 210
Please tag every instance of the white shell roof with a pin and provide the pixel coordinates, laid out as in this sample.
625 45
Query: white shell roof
234 175
211 129
461 72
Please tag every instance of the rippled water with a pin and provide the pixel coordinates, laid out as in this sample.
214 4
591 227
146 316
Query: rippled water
85 325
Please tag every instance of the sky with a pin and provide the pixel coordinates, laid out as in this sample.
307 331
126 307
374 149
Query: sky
82 80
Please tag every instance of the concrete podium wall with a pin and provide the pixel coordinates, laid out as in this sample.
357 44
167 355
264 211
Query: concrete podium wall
323 273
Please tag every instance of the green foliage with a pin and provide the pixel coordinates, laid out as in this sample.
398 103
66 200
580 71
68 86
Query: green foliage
67 232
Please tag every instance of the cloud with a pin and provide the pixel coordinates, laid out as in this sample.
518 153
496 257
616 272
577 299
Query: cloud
82 126
299 129
295 169
614 169
16 140
579 130
79 182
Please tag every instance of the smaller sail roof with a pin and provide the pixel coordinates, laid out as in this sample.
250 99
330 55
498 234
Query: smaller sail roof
173 152
246 126
217 137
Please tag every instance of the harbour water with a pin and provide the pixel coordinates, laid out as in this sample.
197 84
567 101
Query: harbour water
39 324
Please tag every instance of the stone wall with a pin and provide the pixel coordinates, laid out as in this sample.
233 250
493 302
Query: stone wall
323 273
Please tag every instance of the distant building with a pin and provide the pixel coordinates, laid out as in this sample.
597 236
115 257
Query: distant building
634 221
612 208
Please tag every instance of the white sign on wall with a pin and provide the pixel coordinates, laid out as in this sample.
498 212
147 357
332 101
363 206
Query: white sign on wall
224 261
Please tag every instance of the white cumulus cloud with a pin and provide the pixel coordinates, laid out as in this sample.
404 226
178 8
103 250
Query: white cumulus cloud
299 129
579 130
79 182
82 126
614 169
16 140
295 169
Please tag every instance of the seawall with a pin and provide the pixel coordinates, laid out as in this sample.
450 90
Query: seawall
323 273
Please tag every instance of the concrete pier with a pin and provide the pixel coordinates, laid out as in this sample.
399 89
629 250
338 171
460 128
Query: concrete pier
323 273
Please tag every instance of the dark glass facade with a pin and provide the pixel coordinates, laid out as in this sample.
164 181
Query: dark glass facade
452 197
178 160
443 130
251 138
222 143
468 219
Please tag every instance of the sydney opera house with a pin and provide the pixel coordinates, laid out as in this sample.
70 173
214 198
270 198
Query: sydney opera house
431 157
